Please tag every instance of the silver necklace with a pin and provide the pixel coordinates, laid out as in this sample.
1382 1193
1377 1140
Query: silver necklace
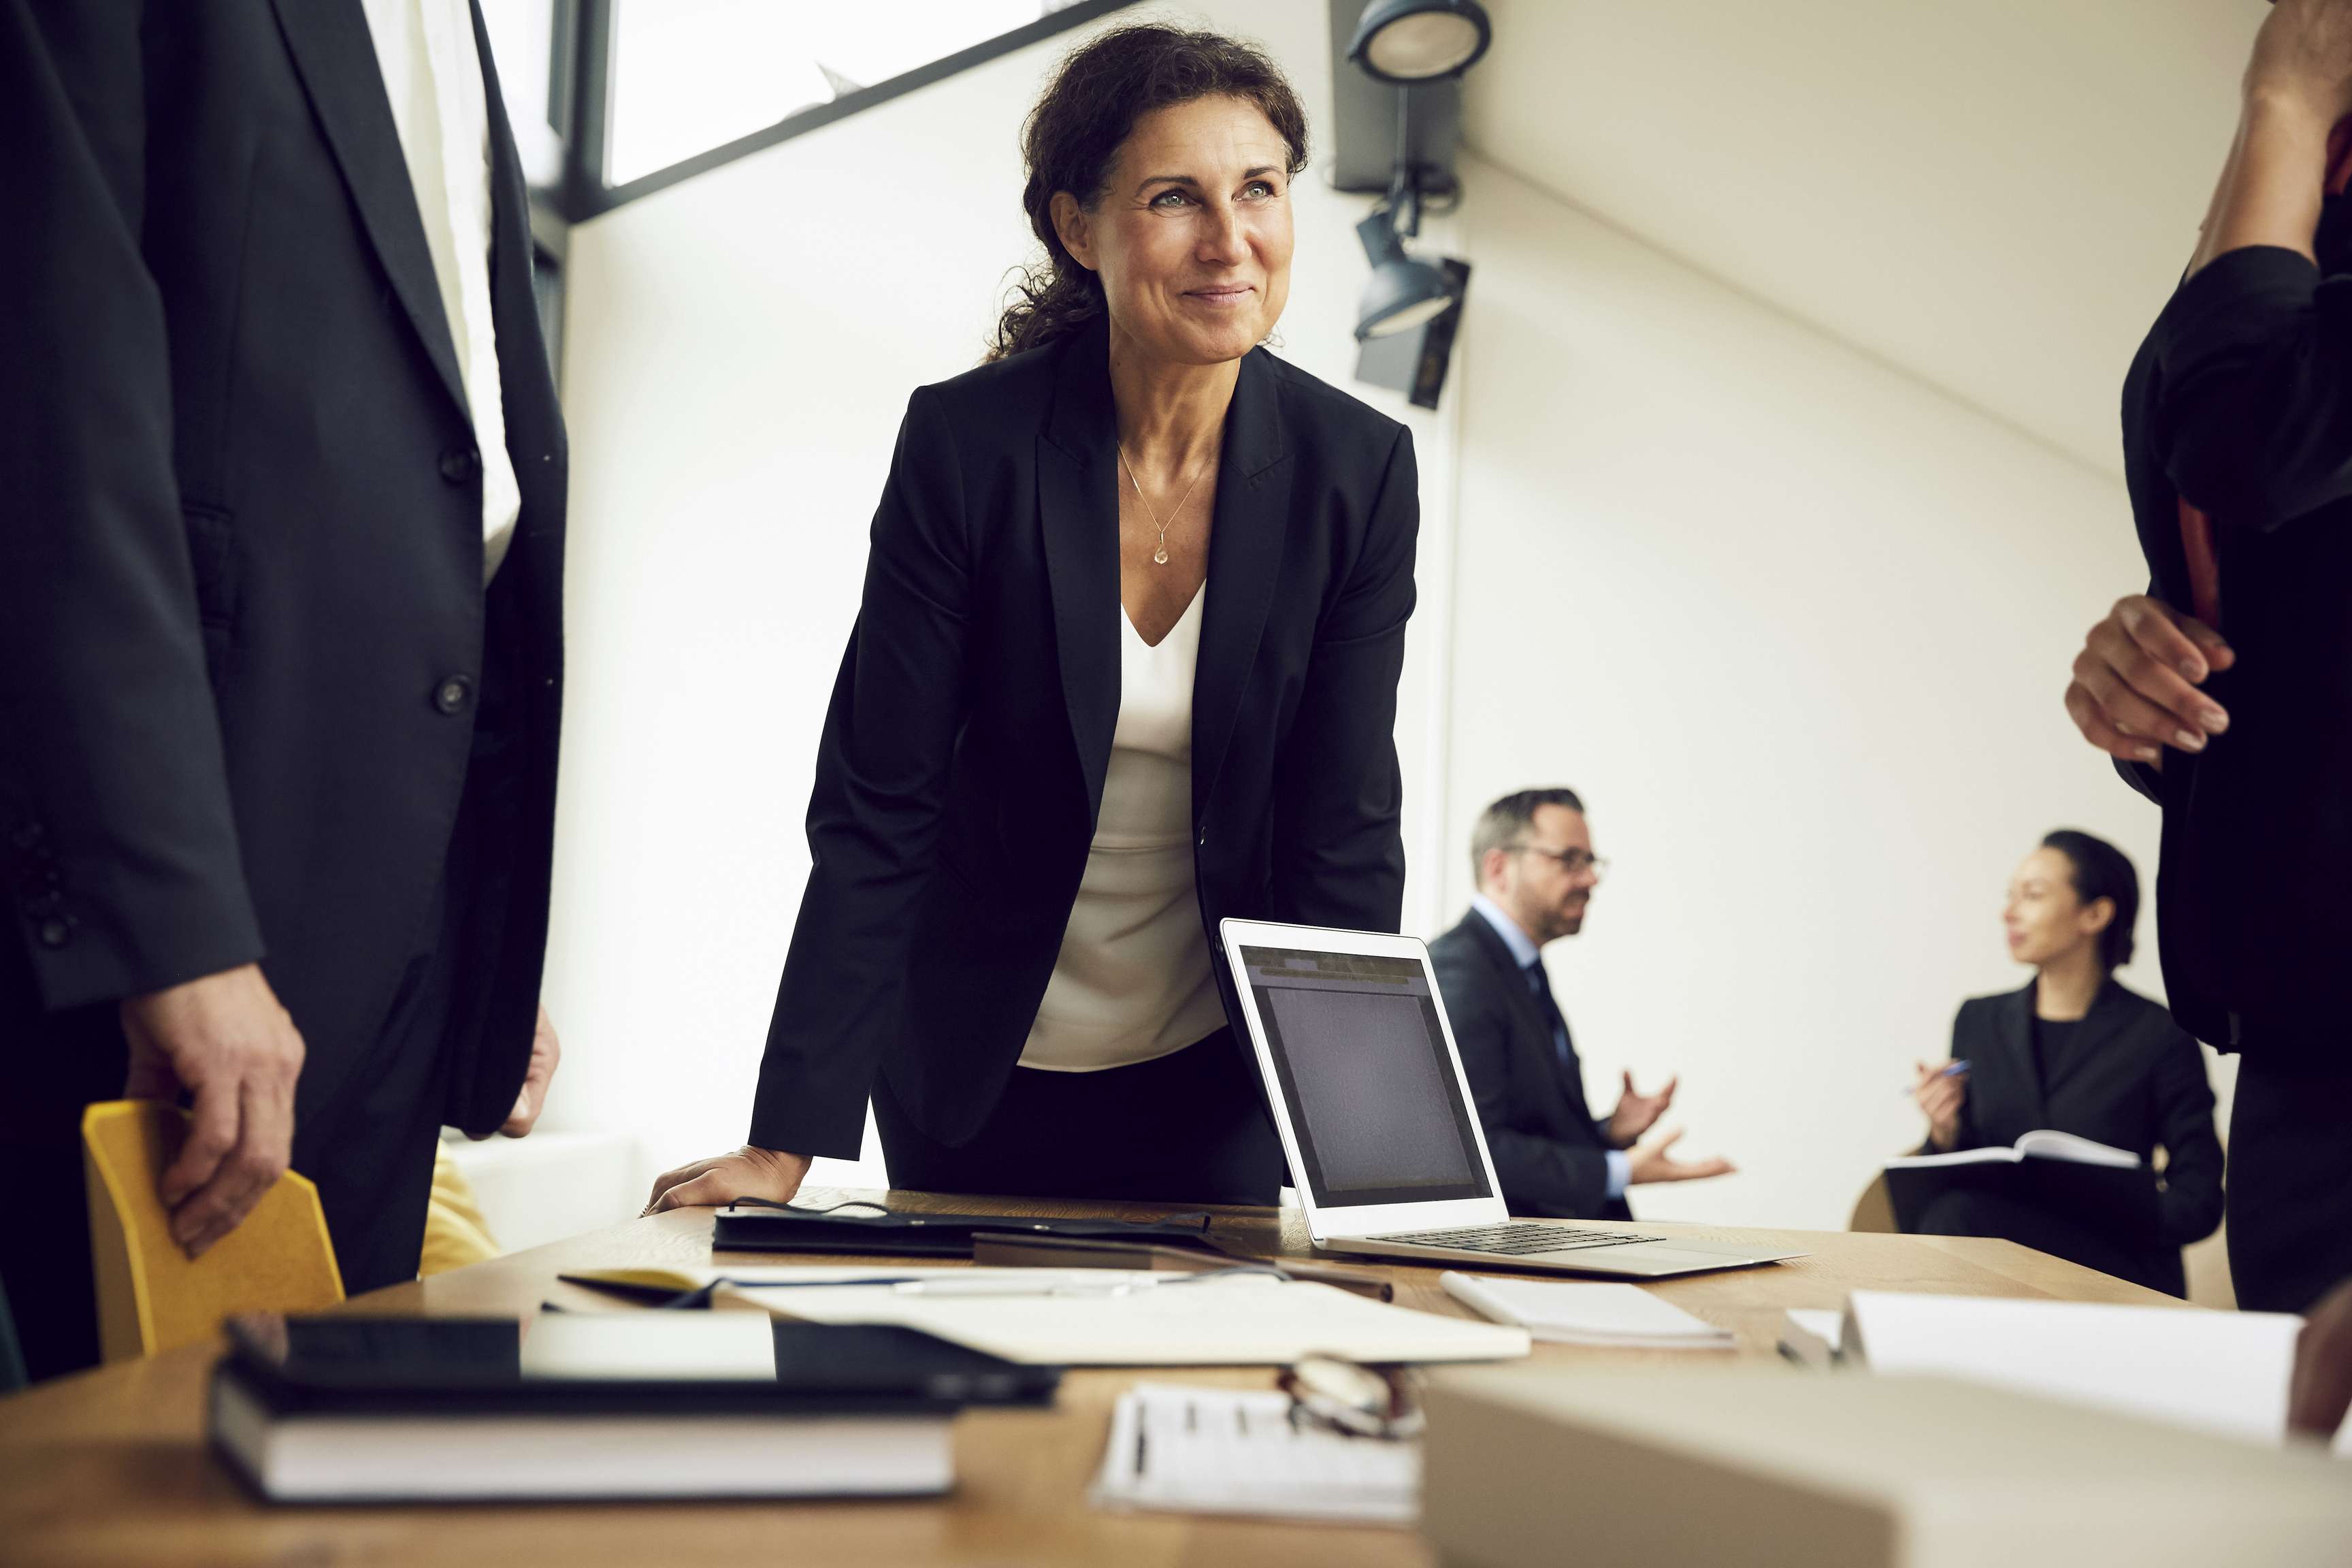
1159 556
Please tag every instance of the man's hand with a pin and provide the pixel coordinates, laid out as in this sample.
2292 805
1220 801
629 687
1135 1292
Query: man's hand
1650 1163
1940 1095
2323 1366
1637 1113
2303 55
224 1040
747 1173
2134 686
546 1053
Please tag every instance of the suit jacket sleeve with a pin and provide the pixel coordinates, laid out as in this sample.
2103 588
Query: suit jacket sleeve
882 766
114 799
2254 368
1338 851
2191 1205
1538 1174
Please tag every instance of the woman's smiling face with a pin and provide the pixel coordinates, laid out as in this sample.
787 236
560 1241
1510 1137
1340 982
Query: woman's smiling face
1191 236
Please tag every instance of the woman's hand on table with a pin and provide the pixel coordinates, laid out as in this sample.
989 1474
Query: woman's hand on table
749 1173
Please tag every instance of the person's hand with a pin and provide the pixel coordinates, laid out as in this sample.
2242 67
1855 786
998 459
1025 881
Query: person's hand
1651 1163
224 1040
1637 1113
1940 1095
2323 1366
747 1173
2134 686
546 1054
2303 58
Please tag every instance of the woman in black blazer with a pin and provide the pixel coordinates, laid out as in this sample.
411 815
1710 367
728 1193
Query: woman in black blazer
2076 1052
1013 804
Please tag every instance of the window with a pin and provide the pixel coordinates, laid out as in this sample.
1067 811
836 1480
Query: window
687 76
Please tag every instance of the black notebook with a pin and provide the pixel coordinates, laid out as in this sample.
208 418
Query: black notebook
2058 1173
754 1225
637 1404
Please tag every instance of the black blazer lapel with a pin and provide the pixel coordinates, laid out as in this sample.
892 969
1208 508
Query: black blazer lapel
1534 1024
1253 510
1077 508
2014 1038
335 57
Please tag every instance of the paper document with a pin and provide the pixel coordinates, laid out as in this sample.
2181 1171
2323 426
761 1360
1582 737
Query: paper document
1621 1317
1169 1320
1811 1335
1230 1451
2225 1373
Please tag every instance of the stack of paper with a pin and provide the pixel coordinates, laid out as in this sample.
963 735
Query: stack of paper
2225 1373
1099 1316
1221 1450
1619 1317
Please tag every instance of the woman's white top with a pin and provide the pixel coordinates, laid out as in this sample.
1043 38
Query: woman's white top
1132 979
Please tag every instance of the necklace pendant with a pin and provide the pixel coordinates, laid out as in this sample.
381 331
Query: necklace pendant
1160 556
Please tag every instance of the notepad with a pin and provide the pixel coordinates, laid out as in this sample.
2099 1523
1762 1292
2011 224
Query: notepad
1232 1451
1242 1320
1621 1317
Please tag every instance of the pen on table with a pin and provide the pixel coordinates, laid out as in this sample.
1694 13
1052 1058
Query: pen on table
1949 1069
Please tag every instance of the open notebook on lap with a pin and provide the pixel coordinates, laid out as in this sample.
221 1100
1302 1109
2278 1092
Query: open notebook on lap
1377 1120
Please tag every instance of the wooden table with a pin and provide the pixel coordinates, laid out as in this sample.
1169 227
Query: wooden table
108 1468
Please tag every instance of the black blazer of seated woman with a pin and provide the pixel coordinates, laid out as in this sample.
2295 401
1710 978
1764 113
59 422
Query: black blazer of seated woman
2123 1075
2077 1053
961 771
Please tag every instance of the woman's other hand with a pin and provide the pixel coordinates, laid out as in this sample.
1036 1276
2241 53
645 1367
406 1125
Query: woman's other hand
747 1173
2135 687
2323 1366
1940 1095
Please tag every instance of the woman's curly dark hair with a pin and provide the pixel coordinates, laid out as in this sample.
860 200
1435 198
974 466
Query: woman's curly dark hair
1073 134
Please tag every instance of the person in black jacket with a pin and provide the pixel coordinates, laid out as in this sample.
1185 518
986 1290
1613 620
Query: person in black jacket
2225 693
2076 1052
1126 664
281 588
1532 852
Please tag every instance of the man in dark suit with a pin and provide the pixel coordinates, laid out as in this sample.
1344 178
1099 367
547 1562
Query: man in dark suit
280 573
1536 868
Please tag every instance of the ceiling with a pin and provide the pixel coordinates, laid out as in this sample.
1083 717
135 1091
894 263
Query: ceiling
1993 194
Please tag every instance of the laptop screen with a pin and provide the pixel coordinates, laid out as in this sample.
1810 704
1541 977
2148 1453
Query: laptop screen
1375 1103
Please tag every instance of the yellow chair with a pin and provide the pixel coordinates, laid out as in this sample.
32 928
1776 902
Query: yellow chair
151 1297
456 1234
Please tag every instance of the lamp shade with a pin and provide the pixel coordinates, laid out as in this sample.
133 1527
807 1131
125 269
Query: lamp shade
1408 41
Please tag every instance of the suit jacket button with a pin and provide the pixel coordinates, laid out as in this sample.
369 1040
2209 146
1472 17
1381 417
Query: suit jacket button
452 695
459 464
55 932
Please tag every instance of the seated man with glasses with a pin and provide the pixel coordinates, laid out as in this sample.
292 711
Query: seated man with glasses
1532 853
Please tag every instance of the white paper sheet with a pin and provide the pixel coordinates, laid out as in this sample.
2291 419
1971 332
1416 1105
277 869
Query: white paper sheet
1230 1451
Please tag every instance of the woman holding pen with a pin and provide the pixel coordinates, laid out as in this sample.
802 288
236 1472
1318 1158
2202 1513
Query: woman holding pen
2076 1052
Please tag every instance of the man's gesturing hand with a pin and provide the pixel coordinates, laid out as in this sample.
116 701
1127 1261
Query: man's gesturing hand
1651 1163
747 1173
224 1040
2135 687
1637 1113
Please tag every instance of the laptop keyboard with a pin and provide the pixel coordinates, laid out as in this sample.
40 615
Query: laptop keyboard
1518 1238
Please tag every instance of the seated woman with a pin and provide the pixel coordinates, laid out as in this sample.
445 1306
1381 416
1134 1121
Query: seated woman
2076 1052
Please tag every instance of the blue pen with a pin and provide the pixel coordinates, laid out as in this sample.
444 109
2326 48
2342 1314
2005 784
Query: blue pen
1950 1069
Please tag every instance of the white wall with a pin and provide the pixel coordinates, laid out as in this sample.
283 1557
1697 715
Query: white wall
1795 625
740 350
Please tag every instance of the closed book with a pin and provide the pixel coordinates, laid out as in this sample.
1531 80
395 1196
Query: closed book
2104 1188
350 1409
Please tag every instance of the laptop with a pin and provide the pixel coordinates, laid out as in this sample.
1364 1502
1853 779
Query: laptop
1377 1120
